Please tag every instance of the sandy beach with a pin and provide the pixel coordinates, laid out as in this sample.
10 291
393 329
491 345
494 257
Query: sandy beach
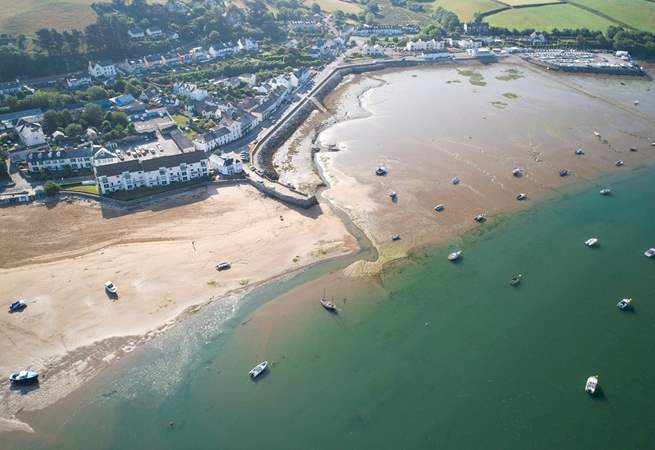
162 260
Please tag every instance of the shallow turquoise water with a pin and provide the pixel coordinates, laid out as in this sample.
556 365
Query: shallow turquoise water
440 355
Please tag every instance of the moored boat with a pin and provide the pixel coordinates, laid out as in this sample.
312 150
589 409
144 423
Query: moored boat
591 385
395 237
591 242
517 171
258 369
521 196
455 180
23 377
516 279
563 172
380 171
111 288
649 253
325 303
480 218
605 191
624 303
18 305
440 207
579 152
619 163
596 133
454 256
223 265
393 194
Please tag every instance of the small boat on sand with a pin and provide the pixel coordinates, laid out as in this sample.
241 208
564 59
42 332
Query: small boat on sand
258 369
325 303
619 163
624 304
395 237
516 279
521 196
605 191
480 218
591 242
380 171
24 377
636 102
440 207
223 265
454 256
591 385
563 172
111 288
455 180
596 133
517 172
393 195
579 152
18 305
649 253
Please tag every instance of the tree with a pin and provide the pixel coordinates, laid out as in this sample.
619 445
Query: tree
50 188
50 121
316 8
96 93
92 115
73 130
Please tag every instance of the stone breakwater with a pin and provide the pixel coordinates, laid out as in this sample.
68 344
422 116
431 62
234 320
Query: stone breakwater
265 149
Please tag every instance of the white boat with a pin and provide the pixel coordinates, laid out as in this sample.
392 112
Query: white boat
455 180
521 196
636 102
440 207
517 171
596 133
258 369
110 287
605 191
480 218
223 265
649 253
624 303
395 237
619 163
380 171
393 194
579 152
454 256
591 242
591 385
23 377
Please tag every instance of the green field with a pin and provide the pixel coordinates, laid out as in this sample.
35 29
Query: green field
465 9
333 5
548 17
527 2
27 16
639 14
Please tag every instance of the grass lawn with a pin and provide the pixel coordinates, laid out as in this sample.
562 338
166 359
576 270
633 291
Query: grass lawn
145 191
87 189
180 120
527 2
465 9
334 5
548 17
639 14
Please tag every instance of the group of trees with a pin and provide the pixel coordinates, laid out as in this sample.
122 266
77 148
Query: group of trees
111 125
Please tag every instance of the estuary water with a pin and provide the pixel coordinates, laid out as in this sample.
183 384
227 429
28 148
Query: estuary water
430 355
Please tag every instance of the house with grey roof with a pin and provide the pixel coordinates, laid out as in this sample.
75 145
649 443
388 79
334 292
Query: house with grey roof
78 159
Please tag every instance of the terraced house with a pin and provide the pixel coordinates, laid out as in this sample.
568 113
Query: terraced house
162 171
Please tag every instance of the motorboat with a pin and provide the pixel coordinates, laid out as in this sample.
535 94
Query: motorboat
636 102
395 237
380 171
624 303
579 152
454 256
440 207
455 180
605 191
619 163
393 194
596 133
23 377
591 385
516 279
591 242
649 253
111 288
480 218
521 196
563 172
224 265
517 171
258 369
325 303
18 305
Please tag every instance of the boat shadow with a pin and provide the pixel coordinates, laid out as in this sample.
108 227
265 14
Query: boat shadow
261 376
599 395
24 389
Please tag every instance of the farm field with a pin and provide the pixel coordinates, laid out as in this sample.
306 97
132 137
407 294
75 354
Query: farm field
333 5
639 14
465 9
27 16
527 2
548 17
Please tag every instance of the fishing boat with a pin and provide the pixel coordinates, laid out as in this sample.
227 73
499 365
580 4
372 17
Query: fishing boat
223 265
111 287
517 171
649 253
579 152
454 256
563 172
380 171
591 385
258 369
480 218
24 377
596 133
605 191
393 194
591 242
521 196
395 237
325 303
624 303
455 180
619 163
516 279
18 305
440 207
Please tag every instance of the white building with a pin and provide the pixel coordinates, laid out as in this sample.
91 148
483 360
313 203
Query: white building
102 69
153 31
372 50
222 50
226 166
136 33
190 90
425 46
30 133
480 52
76 83
213 139
162 171
246 45
81 158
